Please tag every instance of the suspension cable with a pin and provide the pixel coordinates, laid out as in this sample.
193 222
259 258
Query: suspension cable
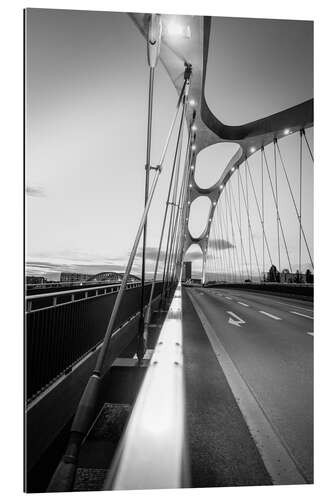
216 253
294 202
240 217
177 249
239 229
272 189
219 231
277 205
144 236
218 219
232 225
300 201
87 405
308 145
153 46
175 186
173 226
248 216
167 204
250 227
260 216
225 222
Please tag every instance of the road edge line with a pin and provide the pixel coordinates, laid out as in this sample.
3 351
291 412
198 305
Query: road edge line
278 461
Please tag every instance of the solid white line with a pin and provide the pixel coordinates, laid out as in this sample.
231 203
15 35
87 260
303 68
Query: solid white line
278 460
300 314
270 315
310 333
243 304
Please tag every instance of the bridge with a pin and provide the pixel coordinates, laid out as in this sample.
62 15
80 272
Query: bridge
156 384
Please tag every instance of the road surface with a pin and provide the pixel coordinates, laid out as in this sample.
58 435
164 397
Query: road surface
269 340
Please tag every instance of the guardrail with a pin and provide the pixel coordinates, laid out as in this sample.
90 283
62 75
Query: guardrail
51 299
58 285
153 450
62 327
297 289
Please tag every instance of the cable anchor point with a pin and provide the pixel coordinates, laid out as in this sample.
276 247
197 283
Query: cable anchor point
188 71
154 39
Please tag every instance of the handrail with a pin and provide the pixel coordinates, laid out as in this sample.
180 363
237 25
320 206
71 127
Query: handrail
78 290
153 450
72 292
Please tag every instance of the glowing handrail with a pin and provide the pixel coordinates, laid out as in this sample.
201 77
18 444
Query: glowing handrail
153 450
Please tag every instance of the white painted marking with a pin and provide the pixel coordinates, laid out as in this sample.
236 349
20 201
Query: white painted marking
270 315
229 298
300 314
279 461
243 304
239 321
310 333
293 305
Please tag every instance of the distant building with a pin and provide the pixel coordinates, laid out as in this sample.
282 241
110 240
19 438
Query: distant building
74 277
112 277
35 280
187 271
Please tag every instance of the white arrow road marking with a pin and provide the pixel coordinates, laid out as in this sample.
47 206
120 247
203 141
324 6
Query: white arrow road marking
300 314
243 304
270 315
310 333
238 322
279 462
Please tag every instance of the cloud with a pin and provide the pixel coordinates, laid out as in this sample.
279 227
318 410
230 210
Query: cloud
193 255
45 263
35 192
220 244
151 253
52 267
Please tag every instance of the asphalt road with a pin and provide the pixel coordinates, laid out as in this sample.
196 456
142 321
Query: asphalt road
270 341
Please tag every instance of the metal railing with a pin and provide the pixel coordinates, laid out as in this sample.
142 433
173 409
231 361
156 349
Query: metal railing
52 299
71 284
62 327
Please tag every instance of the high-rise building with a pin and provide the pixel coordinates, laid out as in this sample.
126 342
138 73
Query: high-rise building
187 271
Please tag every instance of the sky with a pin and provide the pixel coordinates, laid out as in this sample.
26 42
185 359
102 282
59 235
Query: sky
86 110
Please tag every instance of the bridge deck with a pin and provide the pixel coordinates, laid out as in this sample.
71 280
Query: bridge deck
264 345
222 450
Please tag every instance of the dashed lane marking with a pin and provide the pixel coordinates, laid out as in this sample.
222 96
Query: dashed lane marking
300 314
243 304
269 315
279 461
293 305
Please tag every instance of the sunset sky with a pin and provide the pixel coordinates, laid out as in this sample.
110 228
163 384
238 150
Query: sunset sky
86 110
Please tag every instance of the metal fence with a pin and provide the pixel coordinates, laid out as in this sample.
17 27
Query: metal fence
62 327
